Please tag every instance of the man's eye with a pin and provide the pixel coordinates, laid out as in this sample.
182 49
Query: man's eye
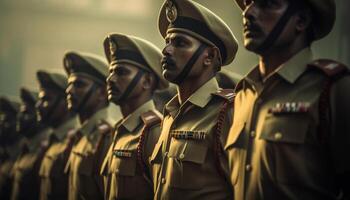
179 43
78 84
121 72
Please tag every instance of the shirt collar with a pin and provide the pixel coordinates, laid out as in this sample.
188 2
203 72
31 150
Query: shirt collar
200 97
290 70
296 66
133 120
89 125
62 130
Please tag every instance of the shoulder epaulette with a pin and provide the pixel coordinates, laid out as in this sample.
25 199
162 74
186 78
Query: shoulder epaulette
329 67
151 118
103 126
227 94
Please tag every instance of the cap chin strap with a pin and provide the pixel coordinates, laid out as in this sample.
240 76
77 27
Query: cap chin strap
87 97
279 27
187 68
131 85
52 109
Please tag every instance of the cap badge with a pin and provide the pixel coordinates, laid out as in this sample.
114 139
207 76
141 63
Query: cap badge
112 47
68 63
171 11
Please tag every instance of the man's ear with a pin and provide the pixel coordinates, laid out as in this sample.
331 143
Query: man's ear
102 90
303 20
148 81
211 56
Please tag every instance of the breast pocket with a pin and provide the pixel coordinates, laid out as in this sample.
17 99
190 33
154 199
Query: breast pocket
84 164
235 150
186 159
285 148
123 163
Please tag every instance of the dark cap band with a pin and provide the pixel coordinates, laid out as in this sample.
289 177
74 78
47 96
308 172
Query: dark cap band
122 54
201 29
79 65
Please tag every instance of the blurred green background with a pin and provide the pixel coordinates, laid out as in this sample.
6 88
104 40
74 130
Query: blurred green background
34 34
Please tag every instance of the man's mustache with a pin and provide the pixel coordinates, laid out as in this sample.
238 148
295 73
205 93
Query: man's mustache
167 61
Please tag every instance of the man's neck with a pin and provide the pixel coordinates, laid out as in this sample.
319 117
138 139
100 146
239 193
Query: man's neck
88 113
270 61
132 104
62 120
190 86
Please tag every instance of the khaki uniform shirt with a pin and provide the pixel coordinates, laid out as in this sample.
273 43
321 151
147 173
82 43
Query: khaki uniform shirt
26 183
6 179
86 157
53 180
124 176
274 145
183 161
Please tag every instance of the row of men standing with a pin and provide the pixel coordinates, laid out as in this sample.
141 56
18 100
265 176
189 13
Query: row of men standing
281 136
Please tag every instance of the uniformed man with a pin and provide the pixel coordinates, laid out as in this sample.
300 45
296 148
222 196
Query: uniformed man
290 131
8 144
135 73
189 154
87 95
52 107
26 168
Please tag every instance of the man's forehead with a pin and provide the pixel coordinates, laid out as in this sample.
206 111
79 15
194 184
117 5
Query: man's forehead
76 77
121 65
178 34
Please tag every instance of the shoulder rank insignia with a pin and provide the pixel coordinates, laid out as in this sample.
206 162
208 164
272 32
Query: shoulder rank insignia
103 127
151 118
188 135
227 94
290 107
122 153
329 67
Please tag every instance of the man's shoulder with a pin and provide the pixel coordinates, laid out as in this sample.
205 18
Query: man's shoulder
330 68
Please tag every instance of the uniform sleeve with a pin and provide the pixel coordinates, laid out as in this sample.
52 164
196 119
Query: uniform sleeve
151 141
340 137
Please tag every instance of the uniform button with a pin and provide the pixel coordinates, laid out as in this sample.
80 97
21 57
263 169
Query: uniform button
252 134
278 136
163 180
182 156
248 168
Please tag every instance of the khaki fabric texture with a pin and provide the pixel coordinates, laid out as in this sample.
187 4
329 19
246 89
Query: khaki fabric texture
53 181
25 170
83 163
186 168
279 155
123 175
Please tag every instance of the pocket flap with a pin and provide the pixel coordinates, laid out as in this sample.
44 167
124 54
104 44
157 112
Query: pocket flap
189 150
86 165
156 156
285 128
124 165
234 134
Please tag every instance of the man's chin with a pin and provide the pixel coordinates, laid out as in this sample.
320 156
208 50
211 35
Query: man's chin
169 76
251 44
